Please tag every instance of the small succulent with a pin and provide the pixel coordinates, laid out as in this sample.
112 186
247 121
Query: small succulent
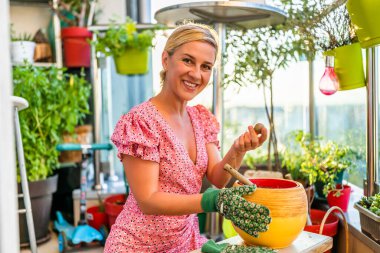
371 203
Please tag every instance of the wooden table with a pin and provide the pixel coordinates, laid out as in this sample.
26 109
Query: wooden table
306 242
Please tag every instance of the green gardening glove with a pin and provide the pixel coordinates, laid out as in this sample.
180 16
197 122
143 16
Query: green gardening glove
250 217
211 247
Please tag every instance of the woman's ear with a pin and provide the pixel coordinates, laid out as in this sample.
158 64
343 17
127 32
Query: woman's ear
164 60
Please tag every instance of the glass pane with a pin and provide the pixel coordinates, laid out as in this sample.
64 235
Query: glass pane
245 106
341 117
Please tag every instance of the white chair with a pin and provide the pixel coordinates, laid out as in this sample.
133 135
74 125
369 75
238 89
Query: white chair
19 104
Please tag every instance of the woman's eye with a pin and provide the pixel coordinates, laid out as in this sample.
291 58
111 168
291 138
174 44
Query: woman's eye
186 60
207 67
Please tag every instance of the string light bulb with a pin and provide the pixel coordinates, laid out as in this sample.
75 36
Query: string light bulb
329 83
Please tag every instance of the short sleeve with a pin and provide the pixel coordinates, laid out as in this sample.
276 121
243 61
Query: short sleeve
134 136
210 124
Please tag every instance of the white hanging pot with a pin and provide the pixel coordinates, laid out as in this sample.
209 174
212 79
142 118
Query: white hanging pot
22 51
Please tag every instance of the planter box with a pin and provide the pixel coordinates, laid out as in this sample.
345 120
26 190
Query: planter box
369 222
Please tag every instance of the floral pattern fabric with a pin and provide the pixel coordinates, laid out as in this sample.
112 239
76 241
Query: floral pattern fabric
145 134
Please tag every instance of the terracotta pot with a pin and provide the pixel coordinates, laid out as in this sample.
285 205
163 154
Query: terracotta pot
287 203
76 48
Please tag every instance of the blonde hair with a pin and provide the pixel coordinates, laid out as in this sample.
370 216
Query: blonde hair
189 32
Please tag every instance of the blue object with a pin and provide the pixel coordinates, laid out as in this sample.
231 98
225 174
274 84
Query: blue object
78 234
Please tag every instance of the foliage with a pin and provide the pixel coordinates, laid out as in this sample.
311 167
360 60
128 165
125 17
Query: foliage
58 101
120 37
371 203
317 160
255 54
20 37
335 30
74 12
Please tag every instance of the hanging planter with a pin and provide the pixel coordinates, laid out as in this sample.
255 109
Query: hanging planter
76 48
365 17
348 65
132 62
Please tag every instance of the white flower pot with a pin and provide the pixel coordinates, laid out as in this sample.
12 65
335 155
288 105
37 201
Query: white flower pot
21 51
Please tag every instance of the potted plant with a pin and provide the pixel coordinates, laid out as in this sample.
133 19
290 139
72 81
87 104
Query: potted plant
369 209
57 103
22 48
127 46
76 15
337 38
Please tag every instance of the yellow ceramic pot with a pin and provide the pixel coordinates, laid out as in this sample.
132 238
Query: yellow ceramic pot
287 203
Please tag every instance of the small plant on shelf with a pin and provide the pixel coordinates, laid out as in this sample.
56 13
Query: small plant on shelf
371 203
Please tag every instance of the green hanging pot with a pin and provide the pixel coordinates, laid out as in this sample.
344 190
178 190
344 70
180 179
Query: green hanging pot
132 62
348 65
365 16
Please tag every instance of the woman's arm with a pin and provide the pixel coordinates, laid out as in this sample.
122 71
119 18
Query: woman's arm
250 140
142 178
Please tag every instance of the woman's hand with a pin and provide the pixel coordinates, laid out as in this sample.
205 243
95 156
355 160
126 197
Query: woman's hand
251 139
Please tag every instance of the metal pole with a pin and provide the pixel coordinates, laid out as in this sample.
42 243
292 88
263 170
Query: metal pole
311 100
372 126
9 228
217 108
97 98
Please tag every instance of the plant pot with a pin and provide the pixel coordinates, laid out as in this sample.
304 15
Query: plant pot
22 51
114 205
329 229
287 203
41 196
132 62
76 48
369 222
342 200
348 65
96 218
320 185
365 18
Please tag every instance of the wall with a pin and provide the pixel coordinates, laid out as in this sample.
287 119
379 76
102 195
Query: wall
31 17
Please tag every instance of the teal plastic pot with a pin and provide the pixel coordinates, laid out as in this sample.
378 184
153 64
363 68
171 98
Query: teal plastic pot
365 17
132 62
348 65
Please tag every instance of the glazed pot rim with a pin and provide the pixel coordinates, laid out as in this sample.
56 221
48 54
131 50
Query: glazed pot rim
265 183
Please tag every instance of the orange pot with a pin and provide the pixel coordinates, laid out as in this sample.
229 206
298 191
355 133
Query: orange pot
287 203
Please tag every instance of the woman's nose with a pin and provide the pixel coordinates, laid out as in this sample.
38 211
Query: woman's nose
195 73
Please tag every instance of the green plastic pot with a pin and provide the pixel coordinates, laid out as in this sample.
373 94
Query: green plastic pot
132 62
365 16
348 65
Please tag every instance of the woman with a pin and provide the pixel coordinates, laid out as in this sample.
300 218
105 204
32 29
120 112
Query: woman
166 148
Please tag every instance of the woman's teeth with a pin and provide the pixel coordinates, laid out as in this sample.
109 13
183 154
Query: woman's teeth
191 85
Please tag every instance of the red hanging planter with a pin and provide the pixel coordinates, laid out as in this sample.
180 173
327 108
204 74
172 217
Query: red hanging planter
114 205
76 48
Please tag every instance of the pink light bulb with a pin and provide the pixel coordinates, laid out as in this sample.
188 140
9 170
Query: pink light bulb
329 83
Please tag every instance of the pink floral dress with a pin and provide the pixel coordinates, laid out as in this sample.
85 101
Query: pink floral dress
145 134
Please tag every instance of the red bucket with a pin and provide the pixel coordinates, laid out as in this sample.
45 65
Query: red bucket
114 205
96 218
342 200
331 225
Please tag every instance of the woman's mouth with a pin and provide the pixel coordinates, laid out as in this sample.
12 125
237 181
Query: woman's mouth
190 85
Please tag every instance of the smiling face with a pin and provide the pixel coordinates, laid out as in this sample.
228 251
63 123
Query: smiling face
188 69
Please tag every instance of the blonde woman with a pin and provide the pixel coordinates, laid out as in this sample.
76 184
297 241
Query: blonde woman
167 147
